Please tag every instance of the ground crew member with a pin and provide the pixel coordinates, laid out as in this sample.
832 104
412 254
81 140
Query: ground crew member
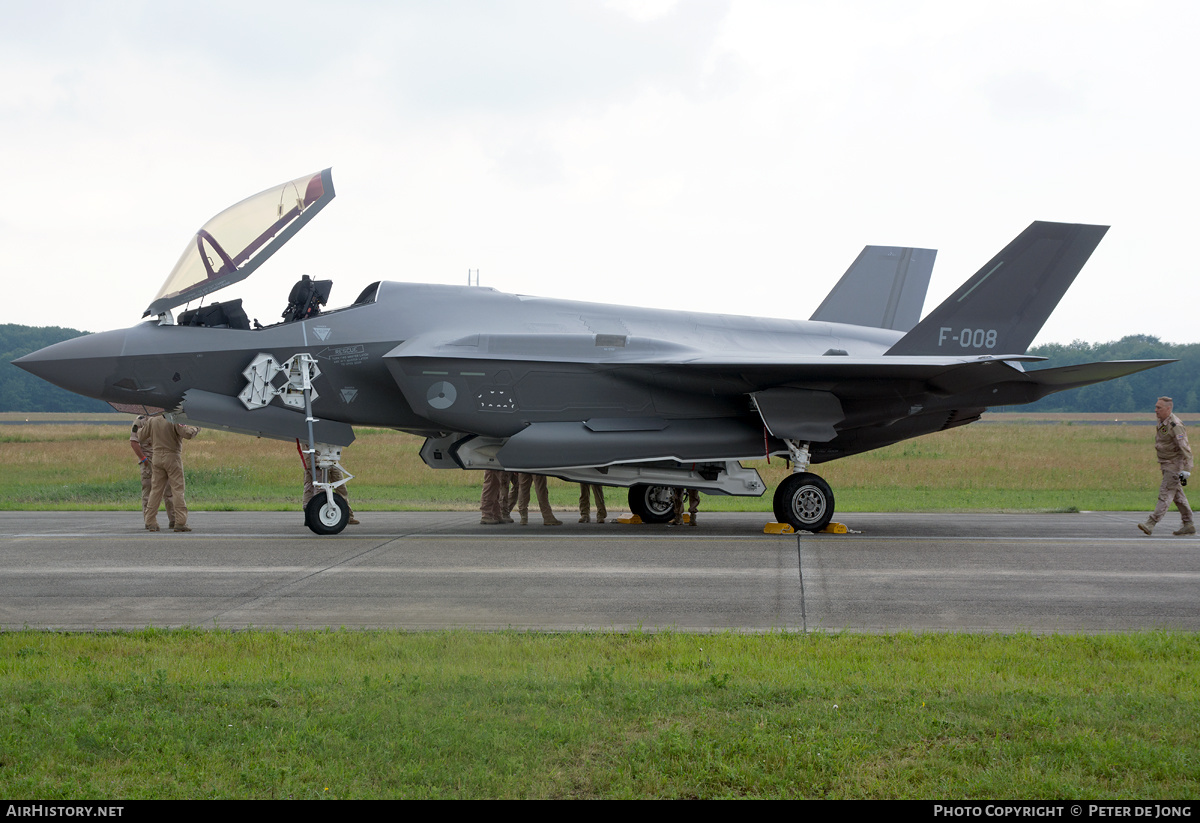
145 455
508 495
538 481
694 495
1175 459
166 440
587 490
489 500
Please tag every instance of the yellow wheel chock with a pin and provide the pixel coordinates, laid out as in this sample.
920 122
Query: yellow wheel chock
785 528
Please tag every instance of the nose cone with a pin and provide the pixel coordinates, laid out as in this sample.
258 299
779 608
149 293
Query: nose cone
78 365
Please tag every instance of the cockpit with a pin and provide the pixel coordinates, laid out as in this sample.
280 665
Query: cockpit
227 315
306 300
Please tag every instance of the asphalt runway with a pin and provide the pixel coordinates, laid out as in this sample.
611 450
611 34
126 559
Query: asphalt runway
1041 573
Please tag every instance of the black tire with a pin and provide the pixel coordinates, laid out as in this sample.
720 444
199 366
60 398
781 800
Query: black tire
654 504
804 501
323 518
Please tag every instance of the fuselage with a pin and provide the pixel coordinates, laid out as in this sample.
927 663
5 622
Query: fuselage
156 365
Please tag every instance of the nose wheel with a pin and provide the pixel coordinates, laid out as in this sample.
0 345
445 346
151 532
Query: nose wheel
324 517
804 501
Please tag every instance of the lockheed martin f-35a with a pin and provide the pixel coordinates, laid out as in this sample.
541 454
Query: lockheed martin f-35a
645 399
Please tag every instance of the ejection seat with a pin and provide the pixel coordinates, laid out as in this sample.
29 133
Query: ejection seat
306 298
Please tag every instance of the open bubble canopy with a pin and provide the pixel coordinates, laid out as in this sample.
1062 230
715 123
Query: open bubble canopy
230 246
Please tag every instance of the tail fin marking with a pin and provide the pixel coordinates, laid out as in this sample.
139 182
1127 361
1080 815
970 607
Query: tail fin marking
1003 307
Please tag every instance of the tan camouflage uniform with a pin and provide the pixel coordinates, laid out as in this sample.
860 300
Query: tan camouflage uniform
538 481
694 506
489 500
166 439
509 490
145 456
587 490
1174 456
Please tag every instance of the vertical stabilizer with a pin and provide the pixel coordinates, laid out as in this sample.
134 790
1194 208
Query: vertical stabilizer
1003 307
884 288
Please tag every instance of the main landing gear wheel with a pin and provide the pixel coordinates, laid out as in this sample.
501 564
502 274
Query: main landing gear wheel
324 518
654 504
804 501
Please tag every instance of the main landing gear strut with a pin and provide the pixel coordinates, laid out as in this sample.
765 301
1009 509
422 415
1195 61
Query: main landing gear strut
803 500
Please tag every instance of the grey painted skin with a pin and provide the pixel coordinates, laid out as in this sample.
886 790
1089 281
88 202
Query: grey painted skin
641 398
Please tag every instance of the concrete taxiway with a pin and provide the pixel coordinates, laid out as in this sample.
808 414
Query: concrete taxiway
1089 572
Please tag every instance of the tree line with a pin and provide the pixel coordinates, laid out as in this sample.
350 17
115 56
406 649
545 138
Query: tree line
22 392
1135 393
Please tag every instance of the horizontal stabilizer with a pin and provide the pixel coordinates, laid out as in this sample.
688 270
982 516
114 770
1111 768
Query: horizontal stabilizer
1062 378
1002 385
1006 303
884 288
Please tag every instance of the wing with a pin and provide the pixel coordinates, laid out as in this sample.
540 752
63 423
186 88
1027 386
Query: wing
578 404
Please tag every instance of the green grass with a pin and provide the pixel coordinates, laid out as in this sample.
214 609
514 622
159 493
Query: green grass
1011 466
216 714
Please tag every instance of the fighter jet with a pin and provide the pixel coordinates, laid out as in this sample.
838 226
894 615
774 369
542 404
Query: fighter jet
645 399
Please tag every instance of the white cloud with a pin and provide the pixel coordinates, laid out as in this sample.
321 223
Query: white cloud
702 155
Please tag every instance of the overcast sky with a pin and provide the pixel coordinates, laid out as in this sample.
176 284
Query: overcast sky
711 155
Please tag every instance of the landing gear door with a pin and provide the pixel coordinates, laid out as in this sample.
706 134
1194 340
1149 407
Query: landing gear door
799 414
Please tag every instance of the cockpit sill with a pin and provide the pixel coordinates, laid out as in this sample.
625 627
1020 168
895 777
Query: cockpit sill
230 314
